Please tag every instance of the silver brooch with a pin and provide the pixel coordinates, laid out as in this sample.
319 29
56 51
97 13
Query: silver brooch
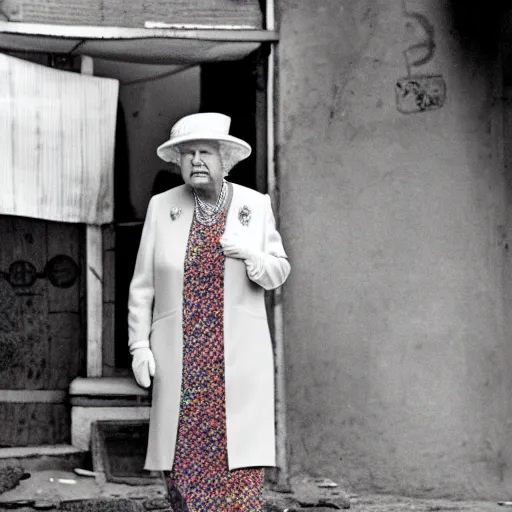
175 213
244 215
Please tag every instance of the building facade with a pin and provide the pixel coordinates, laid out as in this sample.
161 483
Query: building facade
386 153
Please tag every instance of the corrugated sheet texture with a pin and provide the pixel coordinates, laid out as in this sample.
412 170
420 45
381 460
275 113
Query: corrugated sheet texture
57 132
127 13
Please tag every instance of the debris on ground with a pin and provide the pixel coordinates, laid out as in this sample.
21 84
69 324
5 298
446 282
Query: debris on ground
11 505
101 505
43 491
156 504
10 476
84 472
325 483
44 505
308 494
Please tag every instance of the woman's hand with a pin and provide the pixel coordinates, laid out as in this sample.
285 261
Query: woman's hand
143 366
268 269
237 246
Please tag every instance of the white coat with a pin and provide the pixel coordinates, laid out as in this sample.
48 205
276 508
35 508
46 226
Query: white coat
155 313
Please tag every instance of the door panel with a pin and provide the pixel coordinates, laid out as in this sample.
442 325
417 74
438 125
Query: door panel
34 424
41 339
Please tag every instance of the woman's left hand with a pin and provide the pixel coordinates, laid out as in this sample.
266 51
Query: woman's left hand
237 246
267 269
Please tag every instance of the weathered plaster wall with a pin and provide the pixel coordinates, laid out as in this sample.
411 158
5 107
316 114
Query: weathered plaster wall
398 350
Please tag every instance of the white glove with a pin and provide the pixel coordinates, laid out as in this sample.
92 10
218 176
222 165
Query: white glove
143 366
236 246
239 246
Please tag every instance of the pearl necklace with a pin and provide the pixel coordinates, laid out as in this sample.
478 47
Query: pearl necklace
208 213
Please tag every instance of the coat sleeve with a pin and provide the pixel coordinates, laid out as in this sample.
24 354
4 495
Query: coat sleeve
142 292
270 268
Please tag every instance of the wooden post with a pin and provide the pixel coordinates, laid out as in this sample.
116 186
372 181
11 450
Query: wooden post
94 280
283 477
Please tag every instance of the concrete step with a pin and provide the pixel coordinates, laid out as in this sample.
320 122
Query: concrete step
62 457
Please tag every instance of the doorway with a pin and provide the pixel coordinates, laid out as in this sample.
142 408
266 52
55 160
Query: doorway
151 101
152 98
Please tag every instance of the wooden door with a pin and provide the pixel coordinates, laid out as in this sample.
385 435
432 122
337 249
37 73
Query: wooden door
41 335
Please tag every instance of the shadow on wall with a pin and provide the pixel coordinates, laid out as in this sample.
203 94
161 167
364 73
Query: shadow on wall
165 180
478 23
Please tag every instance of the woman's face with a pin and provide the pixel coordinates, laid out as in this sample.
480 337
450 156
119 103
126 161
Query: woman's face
201 165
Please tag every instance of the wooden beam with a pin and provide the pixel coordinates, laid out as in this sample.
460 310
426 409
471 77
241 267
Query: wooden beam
94 280
108 348
94 292
113 33
283 477
270 21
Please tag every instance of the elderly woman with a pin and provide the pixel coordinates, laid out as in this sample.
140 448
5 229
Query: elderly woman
198 325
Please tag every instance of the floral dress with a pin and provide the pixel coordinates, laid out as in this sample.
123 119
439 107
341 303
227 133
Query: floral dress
200 480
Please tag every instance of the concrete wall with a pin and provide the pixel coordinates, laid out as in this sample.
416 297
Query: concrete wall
398 343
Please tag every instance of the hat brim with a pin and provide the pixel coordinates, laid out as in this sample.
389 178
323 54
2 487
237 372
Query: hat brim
236 148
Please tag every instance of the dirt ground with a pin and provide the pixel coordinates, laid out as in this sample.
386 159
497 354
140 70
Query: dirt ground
376 503
307 494
53 486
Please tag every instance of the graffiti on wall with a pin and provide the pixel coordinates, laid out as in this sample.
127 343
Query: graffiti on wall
418 92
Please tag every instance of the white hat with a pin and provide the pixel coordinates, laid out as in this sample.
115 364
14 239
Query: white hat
205 126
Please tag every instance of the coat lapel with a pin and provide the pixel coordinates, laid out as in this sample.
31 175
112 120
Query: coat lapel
178 227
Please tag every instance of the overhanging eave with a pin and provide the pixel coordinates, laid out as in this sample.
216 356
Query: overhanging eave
147 45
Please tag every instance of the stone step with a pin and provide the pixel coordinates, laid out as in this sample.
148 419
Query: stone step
37 458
